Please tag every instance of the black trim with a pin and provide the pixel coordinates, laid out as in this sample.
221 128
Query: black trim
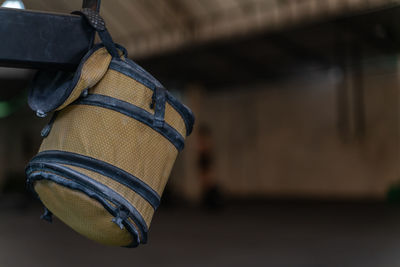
42 94
46 130
103 168
134 112
133 70
95 187
75 186
159 108
186 113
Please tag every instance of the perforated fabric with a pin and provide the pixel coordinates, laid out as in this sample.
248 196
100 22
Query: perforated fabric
92 71
144 208
128 150
120 86
116 139
83 214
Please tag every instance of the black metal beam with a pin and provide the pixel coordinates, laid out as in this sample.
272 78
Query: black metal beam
31 39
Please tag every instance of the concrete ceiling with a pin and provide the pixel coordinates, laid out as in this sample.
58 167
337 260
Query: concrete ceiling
299 50
216 43
148 27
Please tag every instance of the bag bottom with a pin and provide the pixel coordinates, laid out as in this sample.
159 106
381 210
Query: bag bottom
83 213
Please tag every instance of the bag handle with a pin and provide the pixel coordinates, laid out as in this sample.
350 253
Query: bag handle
96 21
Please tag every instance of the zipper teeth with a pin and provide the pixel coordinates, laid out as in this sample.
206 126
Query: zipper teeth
128 219
62 171
136 113
69 159
112 203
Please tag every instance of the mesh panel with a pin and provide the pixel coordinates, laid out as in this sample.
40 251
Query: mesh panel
120 86
116 139
83 214
92 71
173 118
144 208
111 137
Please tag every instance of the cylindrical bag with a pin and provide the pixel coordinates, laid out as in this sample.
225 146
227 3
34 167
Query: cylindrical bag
110 146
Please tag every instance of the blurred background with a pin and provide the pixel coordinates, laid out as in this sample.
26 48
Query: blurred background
295 155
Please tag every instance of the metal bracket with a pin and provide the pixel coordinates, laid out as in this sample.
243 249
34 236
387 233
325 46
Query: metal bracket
41 40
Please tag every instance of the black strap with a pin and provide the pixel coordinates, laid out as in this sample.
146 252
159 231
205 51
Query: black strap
97 22
159 106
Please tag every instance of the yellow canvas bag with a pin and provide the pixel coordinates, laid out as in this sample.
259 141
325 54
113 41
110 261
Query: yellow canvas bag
110 145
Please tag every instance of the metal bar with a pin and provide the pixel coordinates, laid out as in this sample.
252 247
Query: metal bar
31 39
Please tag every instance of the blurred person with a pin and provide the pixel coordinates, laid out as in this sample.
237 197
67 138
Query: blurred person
211 193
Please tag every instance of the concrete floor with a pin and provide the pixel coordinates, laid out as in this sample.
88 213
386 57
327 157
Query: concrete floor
269 234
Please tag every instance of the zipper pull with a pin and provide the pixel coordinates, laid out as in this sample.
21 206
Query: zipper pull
47 215
121 216
46 130
40 114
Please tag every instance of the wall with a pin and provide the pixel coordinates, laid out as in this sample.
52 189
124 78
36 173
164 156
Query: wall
272 139
282 139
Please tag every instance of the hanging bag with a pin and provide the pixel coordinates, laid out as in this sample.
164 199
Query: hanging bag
110 145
